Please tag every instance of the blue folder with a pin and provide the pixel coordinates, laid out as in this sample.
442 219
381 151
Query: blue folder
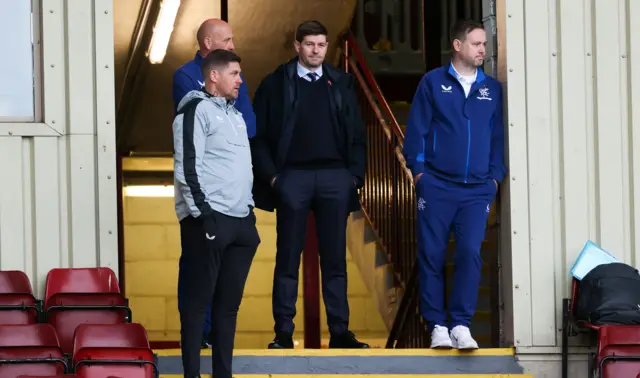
591 256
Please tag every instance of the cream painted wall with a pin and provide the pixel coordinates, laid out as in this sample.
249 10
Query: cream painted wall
152 250
572 72
58 203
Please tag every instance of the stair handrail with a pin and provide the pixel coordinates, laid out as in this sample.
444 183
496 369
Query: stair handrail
390 123
351 43
408 328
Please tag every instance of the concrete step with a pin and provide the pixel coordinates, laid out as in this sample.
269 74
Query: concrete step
364 376
490 362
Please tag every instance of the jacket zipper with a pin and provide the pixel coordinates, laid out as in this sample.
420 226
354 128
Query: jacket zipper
466 170
434 141
226 112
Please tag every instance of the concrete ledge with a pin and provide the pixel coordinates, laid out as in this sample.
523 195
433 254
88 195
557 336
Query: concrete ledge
356 362
365 376
352 352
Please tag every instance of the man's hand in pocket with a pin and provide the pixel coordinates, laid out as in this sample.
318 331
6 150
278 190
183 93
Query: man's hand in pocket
210 227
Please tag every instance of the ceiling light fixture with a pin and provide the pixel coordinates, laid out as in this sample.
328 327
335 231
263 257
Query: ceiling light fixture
162 30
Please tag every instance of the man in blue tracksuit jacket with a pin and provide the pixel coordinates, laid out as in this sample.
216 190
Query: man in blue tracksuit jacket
454 147
213 34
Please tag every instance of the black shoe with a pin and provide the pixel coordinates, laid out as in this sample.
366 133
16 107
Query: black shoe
346 340
283 340
206 342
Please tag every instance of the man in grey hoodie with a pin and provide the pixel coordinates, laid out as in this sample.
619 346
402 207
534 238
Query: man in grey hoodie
213 183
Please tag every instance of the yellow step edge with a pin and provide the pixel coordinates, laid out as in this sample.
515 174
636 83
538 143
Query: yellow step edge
352 352
363 375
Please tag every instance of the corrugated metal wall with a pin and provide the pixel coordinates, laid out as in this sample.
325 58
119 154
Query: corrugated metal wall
572 69
58 177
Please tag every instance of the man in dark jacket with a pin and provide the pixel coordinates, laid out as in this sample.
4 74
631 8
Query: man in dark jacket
309 153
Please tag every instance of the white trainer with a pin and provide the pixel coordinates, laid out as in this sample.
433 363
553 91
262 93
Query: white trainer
461 338
440 338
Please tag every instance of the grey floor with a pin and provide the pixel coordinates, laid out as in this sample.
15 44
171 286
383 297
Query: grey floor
357 365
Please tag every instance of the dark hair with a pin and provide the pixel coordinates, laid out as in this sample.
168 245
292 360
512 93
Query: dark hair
310 28
461 28
218 59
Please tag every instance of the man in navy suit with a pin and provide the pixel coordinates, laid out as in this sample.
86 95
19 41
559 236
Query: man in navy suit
213 34
309 154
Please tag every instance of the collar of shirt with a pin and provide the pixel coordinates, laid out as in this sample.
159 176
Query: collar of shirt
466 80
198 58
220 101
302 72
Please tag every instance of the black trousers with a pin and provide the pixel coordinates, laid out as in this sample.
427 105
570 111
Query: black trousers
215 273
326 193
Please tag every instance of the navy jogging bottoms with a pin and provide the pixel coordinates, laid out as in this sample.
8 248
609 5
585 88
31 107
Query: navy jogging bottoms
445 207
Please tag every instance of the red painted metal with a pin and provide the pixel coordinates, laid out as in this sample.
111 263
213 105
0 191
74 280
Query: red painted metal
372 85
164 345
311 286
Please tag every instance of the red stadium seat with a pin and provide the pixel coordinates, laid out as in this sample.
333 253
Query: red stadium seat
50 376
78 296
67 311
30 350
80 280
618 346
119 349
17 303
618 350
129 335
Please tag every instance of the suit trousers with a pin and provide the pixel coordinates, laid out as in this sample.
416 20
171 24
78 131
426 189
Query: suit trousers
326 192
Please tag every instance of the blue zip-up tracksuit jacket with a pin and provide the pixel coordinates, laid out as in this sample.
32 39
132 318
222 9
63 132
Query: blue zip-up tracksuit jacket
457 138
189 77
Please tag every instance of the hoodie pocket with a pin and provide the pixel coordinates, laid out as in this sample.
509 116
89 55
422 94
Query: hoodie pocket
237 141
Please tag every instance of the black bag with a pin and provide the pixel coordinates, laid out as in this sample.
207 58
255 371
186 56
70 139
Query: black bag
610 294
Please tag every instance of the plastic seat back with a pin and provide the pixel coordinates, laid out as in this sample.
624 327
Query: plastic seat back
101 362
18 309
32 335
80 280
123 336
619 350
14 282
32 349
17 303
119 349
68 311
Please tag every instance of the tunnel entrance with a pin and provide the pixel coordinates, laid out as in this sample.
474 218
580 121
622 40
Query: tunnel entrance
148 231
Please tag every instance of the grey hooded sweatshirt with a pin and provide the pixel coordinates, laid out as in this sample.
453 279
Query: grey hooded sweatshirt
212 159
